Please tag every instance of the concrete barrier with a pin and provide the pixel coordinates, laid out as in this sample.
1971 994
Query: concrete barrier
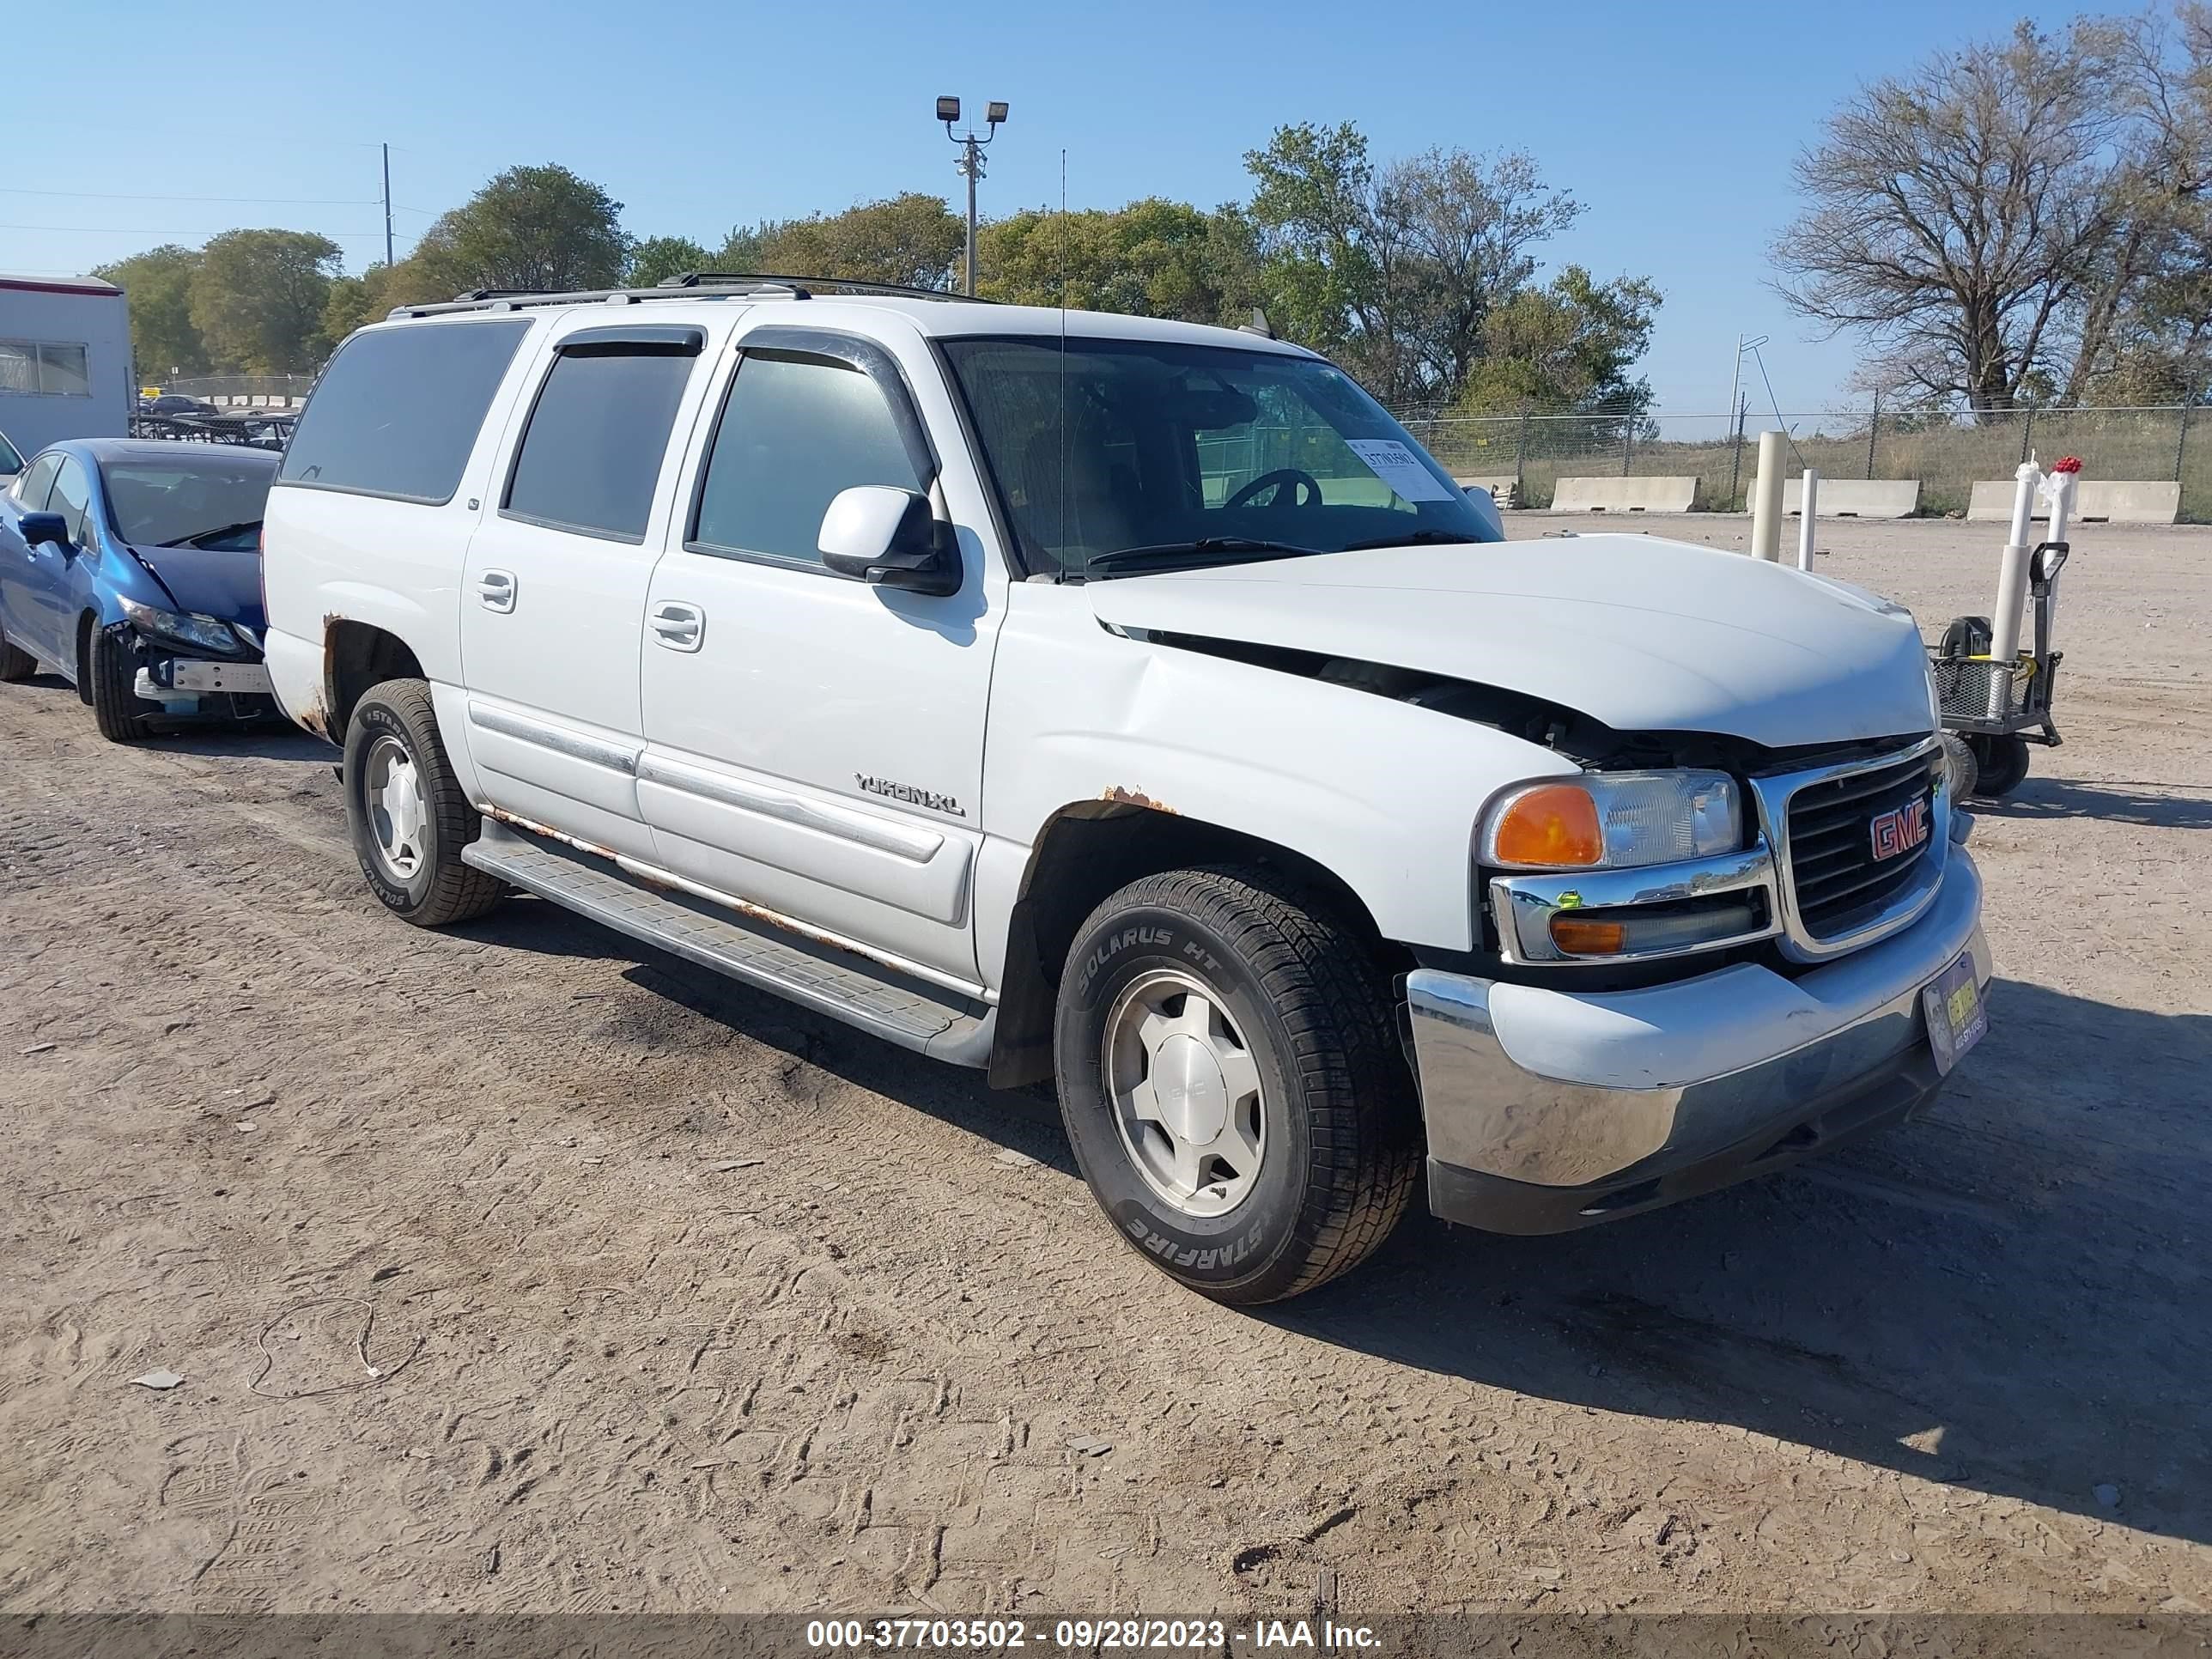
1624 494
1854 498
2096 500
1505 491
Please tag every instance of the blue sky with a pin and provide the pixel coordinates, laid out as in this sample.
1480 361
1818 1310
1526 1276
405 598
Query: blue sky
1675 124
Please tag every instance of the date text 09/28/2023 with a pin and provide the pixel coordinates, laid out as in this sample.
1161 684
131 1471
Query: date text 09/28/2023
1088 1635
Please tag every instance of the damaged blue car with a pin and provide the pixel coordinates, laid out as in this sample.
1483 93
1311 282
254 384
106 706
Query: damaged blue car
132 569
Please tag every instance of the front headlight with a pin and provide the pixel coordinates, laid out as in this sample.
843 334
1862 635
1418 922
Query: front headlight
206 632
1614 821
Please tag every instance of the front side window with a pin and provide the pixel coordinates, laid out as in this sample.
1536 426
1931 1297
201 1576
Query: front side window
794 432
1100 447
72 496
215 504
397 411
591 453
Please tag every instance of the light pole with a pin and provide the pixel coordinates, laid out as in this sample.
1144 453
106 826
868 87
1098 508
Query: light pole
1743 343
971 164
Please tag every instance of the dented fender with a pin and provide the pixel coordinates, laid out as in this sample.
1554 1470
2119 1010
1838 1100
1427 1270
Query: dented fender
1384 795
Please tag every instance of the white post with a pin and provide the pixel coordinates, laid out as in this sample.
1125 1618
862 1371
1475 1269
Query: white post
1766 499
2012 587
1810 484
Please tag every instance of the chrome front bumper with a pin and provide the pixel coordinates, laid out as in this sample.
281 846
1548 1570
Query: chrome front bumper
1549 1109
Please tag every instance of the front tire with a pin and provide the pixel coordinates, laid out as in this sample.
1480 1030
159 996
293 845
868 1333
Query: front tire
123 715
1959 760
408 816
1232 1082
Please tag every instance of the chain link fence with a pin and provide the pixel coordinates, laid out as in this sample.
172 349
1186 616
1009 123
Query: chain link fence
1947 453
243 391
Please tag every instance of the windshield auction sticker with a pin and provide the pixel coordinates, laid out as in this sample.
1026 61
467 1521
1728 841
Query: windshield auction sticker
1399 467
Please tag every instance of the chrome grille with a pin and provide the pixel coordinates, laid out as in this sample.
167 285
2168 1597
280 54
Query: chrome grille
1837 883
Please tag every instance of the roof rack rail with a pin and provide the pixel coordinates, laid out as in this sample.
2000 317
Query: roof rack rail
686 285
695 279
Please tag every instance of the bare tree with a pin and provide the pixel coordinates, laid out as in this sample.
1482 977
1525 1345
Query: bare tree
1956 215
2145 321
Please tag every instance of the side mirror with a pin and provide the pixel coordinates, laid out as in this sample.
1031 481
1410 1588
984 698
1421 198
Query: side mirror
888 537
37 527
1485 508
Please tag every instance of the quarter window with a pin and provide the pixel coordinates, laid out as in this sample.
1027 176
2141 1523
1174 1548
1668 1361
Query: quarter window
592 453
396 410
794 432
31 490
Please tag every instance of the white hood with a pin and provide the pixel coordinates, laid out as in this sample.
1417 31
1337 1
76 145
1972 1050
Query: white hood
1643 634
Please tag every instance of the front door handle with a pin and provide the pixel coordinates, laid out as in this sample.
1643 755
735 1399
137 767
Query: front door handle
678 626
495 588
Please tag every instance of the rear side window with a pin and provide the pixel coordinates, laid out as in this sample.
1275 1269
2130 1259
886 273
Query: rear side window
592 453
396 411
794 432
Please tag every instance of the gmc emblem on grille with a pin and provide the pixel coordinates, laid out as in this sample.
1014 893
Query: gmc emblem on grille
1901 831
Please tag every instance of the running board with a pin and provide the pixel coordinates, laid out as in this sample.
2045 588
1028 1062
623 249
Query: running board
877 999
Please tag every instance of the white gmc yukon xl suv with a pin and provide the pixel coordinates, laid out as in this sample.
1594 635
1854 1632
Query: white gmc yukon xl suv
1136 705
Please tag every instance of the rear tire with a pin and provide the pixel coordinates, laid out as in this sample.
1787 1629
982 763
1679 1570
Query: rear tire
408 816
121 714
2000 762
15 665
1232 1084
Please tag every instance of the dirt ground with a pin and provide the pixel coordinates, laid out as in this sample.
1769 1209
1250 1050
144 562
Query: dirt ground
517 1268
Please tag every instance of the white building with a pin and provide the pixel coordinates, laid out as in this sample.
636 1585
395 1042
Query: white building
64 360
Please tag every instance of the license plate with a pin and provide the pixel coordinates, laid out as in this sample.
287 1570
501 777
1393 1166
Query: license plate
1956 1019
242 678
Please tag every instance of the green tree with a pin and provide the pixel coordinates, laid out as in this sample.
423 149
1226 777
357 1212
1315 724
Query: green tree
257 299
1395 269
1151 258
1564 348
158 285
658 257
911 240
540 228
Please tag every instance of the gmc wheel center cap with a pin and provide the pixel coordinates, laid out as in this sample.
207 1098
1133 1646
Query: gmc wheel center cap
1192 1096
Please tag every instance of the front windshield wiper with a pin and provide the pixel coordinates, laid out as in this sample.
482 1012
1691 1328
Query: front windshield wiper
199 536
1204 551
1412 538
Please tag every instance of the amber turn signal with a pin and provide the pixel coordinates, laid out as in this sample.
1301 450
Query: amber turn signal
1553 826
1583 937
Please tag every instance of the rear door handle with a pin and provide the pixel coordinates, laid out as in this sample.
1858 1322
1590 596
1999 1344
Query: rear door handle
678 626
497 589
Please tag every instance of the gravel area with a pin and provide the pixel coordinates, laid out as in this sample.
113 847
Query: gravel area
515 1267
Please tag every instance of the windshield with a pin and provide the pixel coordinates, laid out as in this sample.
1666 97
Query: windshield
165 503
1199 453
11 461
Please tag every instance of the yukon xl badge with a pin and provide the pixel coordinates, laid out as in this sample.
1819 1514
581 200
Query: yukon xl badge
912 796
1901 831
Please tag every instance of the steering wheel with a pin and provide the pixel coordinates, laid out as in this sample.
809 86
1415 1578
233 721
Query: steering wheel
1281 476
